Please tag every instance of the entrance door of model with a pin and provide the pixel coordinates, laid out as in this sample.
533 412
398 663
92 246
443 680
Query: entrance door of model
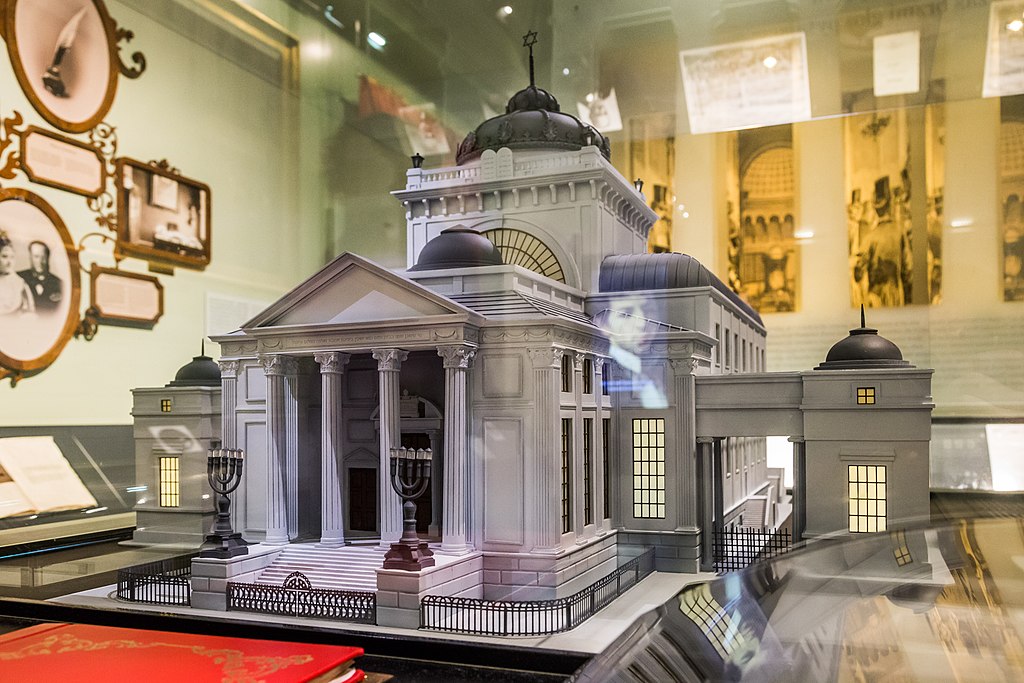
362 497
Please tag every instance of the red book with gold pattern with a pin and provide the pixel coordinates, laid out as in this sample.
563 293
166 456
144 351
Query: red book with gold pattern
80 652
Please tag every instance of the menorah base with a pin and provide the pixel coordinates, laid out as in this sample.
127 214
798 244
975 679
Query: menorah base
411 557
224 547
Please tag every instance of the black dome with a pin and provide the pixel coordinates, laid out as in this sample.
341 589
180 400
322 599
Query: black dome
533 119
458 247
201 372
864 348
634 272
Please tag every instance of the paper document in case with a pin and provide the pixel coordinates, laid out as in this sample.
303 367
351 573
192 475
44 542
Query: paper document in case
41 475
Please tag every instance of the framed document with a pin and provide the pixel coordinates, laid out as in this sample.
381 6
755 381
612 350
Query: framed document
162 216
118 297
64 55
39 283
52 159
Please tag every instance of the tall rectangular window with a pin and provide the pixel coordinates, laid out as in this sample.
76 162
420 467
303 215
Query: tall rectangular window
588 438
736 350
649 468
566 373
165 405
867 498
744 345
170 485
566 475
726 355
605 379
606 439
588 376
717 351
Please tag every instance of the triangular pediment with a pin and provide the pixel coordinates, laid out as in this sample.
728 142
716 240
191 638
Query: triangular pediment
352 290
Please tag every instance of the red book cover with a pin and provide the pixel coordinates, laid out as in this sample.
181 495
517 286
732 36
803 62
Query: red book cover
80 652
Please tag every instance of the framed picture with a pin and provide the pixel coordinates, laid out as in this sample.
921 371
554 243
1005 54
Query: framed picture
64 55
162 217
39 283
52 159
118 297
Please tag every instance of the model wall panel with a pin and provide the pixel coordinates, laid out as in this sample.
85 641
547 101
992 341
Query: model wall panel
254 384
503 463
360 384
252 438
502 375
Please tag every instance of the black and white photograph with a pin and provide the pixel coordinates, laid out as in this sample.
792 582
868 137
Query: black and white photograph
162 217
1011 195
39 283
63 56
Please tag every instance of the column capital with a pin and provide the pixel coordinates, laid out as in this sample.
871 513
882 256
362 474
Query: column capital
457 356
577 360
389 359
228 368
796 439
545 356
683 366
278 364
705 439
332 362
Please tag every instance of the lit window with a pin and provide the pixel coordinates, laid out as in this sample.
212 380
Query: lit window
165 405
566 372
900 549
588 436
566 475
605 370
865 396
867 498
588 376
170 487
649 468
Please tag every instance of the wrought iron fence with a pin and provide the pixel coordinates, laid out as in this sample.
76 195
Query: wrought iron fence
531 618
296 598
735 549
166 582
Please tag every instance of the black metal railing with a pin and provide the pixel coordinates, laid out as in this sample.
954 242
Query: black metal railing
166 582
734 549
320 603
531 618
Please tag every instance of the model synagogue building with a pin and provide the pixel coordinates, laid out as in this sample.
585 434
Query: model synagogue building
578 393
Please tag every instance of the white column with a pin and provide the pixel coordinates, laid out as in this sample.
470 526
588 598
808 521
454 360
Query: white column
705 454
686 444
547 514
389 365
436 483
332 429
277 369
597 454
579 478
455 520
799 487
228 404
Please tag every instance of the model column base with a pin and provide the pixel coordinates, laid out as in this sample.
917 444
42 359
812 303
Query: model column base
411 557
223 547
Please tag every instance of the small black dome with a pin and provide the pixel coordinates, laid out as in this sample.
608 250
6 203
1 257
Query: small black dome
864 348
533 119
201 372
458 247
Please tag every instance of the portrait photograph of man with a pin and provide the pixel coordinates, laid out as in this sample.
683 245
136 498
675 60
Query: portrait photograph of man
47 289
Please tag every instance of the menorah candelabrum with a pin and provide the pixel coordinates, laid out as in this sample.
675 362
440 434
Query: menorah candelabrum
410 477
224 472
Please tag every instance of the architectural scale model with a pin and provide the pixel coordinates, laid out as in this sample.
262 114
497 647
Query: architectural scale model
578 394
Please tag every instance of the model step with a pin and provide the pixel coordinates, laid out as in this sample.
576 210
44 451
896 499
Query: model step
346 568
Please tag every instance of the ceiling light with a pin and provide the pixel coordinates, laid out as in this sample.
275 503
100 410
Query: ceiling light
506 10
565 71
770 62
1015 25
376 40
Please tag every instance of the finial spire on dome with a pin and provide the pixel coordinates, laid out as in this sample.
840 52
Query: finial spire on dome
862 322
529 40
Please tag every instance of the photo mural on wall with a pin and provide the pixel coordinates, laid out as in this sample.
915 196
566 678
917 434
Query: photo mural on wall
894 183
763 254
1011 195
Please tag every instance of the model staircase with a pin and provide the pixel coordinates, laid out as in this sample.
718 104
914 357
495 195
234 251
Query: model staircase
349 568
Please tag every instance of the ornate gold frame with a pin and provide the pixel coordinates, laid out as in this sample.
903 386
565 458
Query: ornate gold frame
125 247
94 313
26 168
114 36
17 369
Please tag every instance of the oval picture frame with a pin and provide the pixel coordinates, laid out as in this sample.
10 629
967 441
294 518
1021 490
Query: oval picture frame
64 55
32 335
